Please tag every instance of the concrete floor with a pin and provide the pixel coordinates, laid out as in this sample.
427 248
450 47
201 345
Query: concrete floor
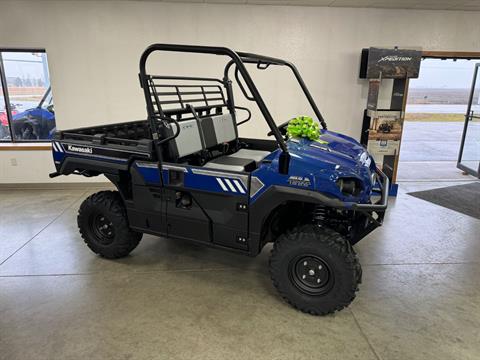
420 298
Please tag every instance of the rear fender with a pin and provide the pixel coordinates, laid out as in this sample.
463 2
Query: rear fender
73 164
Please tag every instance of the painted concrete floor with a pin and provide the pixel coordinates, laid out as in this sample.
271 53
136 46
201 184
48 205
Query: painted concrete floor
420 297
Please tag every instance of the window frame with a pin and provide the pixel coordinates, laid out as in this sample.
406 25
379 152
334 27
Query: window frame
6 96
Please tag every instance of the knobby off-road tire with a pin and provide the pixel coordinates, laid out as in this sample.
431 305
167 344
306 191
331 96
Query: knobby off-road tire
315 269
102 221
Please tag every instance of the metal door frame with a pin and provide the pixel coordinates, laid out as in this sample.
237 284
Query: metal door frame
468 117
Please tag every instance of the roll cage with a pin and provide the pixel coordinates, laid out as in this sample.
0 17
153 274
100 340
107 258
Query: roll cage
156 112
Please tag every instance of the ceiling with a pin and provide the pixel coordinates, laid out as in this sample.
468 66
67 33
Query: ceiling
464 5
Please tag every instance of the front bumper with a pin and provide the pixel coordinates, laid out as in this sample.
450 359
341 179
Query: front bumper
382 204
371 215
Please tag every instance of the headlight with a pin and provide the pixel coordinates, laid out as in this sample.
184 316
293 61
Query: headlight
365 159
349 186
368 162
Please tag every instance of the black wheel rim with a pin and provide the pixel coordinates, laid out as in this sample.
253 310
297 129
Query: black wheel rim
102 229
311 274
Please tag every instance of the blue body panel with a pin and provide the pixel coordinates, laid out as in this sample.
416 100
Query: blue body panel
197 178
317 165
58 152
314 165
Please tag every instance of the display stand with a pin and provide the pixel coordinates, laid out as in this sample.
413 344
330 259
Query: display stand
382 128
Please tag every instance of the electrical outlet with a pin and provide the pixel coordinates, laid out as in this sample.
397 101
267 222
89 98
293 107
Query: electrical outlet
13 162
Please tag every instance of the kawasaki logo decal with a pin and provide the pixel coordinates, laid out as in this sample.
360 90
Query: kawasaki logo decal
80 149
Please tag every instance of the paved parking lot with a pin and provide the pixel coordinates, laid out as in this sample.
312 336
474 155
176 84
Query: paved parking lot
429 150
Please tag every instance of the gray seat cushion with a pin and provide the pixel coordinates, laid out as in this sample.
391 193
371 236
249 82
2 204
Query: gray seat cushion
242 160
255 155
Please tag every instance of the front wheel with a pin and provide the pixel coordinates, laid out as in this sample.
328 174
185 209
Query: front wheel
315 269
103 224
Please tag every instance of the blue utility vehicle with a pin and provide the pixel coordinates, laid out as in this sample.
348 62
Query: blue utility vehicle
185 173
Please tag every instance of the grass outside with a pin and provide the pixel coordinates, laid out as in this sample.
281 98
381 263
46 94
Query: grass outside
431 117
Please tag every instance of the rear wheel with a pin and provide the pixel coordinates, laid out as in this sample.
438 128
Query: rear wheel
103 224
315 269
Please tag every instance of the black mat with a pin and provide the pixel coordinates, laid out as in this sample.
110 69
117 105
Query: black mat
462 198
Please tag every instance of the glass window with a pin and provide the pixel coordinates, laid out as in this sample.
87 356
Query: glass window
31 116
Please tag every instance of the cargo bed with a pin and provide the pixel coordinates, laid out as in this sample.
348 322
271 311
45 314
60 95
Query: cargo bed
108 149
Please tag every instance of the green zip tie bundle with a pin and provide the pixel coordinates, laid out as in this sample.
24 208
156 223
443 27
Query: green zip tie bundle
303 126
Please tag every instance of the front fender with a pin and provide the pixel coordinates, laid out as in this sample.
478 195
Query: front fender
276 195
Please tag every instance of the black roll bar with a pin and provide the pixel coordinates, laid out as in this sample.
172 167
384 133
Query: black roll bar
242 88
265 59
235 58
262 63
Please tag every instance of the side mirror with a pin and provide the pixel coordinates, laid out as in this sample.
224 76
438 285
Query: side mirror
51 109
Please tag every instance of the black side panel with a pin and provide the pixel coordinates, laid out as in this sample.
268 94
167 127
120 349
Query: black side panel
229 215
186 218
146 209
146 212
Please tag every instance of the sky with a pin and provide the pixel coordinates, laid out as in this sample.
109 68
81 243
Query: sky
445 74
24 65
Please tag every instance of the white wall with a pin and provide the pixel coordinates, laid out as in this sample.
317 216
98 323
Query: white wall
33 167
94 47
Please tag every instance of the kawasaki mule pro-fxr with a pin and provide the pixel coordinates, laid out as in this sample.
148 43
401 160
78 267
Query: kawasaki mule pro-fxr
184 173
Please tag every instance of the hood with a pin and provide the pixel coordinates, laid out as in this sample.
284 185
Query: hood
330 149
332 157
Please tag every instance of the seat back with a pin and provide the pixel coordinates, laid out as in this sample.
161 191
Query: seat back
213 130
188 141
218 129
225 129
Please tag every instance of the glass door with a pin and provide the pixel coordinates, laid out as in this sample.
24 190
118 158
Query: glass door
469 156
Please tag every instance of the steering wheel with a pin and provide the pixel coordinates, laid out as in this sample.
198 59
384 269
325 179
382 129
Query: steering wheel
282 127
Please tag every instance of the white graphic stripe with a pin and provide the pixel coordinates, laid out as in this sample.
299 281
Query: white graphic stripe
54 146
239 186
60 147
230 185
222 184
